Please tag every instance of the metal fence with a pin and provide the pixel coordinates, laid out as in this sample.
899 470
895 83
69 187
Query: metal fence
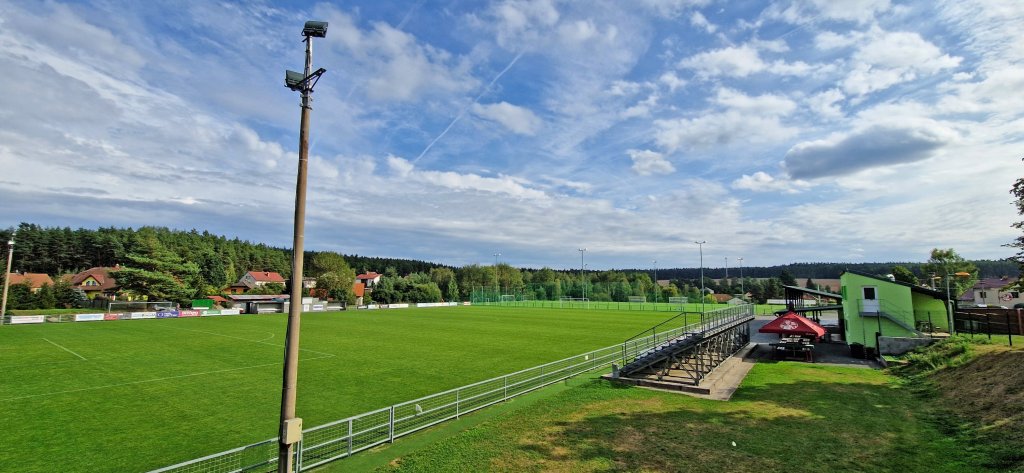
342 438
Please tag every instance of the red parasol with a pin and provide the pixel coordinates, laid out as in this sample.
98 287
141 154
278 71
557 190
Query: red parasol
793 324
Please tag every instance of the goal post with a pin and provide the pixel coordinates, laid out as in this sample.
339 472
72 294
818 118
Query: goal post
140 306
640 299
677 300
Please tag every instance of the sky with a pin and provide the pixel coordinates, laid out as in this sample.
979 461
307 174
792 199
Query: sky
777 132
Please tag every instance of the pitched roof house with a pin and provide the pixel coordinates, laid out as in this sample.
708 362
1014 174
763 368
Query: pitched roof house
95 281
369 278
261 278
35 280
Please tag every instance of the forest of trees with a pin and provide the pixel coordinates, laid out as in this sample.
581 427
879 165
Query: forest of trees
179 265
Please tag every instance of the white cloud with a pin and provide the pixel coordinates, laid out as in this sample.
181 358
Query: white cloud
825 103
738 61
807 11
400 166
697 19
672 81
396 66
647 162
517 119
742 61
761 181
884 59
719 130
767 104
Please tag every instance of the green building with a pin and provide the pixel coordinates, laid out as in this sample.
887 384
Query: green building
876 305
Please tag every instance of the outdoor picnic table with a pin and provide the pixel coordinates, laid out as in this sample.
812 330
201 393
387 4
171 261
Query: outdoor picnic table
795 347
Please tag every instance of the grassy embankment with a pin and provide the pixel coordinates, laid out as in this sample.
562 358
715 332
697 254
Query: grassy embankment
956 408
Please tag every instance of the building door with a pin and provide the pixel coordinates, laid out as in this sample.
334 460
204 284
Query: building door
870 299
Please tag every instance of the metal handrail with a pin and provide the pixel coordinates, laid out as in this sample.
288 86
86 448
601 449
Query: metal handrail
652 329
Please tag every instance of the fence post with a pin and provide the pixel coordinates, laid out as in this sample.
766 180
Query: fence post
349 437
505 378
1009 333
988 326
391 424
457 403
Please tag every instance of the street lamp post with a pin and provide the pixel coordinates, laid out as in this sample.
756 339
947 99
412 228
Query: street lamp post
497 285
656 288
700 245
582 283
949 300
291 426
7 278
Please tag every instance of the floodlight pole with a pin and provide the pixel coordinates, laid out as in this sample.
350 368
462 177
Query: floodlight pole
582 283
289 423
497 285
656 289
7 278
700 245
742 290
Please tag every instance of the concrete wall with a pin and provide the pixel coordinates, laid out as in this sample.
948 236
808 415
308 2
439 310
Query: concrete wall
901 345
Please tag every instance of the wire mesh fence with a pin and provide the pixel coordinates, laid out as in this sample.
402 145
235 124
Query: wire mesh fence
345 437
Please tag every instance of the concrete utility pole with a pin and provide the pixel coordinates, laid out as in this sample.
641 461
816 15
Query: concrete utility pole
291 426
7 278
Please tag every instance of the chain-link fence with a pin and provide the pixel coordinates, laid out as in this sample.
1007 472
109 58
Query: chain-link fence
345 437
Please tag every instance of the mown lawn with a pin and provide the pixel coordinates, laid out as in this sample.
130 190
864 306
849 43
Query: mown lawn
792 417
137 395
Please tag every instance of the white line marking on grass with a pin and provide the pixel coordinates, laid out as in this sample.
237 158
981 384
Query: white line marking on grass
65 349
151 380
253 341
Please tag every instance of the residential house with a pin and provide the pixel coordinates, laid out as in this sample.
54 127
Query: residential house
96 282
261 278
369 279
359 290
254 279
994 292
877 305
36 281
308 283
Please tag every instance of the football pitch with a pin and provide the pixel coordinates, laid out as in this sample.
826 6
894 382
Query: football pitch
139 395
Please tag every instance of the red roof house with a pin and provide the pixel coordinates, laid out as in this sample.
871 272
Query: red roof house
35 280
96 281
369 278
261 278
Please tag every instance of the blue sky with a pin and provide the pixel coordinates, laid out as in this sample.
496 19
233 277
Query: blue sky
808 130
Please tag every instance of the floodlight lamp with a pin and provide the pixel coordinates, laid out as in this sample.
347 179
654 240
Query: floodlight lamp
316 29
293 80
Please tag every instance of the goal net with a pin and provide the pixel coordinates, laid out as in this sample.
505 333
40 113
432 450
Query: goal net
637 298
140 306
508 298
572 301
677 300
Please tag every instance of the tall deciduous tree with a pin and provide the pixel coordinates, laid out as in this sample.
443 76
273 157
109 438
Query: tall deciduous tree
946 262
1017 191
903 274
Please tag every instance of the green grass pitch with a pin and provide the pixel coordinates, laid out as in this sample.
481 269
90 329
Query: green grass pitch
138 395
